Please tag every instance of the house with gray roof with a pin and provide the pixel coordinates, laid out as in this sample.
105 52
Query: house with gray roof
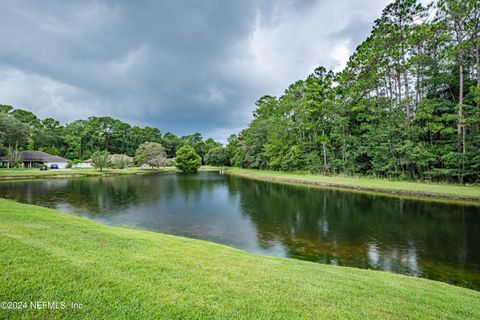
30 159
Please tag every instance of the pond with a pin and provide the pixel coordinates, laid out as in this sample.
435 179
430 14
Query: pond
421 238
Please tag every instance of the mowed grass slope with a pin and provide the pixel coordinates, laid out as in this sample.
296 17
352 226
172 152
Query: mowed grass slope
20 173
121 273
397 187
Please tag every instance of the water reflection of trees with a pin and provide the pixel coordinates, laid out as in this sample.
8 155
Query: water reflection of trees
331 226
435 240
94 195
110 194
191 186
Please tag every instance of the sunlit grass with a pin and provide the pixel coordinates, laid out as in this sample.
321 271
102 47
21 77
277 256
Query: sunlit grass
121 273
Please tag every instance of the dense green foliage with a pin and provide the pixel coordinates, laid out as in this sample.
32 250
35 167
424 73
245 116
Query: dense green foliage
151 153
23 130
13 134
217 156
201 147
406 105
120 161
120 273
100 159
187 159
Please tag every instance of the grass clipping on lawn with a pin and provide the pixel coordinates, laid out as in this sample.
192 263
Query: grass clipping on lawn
122 273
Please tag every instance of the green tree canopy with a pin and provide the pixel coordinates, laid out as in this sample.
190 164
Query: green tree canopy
187 159
151 153
406 105
100 159
217 156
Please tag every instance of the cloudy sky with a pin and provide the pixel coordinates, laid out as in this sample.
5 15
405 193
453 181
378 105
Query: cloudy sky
181 66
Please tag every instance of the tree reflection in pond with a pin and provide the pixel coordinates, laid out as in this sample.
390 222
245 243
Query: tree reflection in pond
435 240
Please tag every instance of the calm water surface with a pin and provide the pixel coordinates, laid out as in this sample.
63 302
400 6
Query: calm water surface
428 239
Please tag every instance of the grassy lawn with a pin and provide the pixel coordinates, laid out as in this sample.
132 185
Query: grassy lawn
433 190
121 273
81 172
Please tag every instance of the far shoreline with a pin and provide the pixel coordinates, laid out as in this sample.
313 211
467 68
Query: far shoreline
450 193
438 192
24 174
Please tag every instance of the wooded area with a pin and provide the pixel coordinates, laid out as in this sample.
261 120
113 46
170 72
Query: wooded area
407 104
80 139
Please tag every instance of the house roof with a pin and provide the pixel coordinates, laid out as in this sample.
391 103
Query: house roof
115 157
39 156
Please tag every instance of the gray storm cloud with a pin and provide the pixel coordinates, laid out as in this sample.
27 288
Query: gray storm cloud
181 66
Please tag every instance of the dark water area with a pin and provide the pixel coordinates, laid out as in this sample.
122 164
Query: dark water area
421 238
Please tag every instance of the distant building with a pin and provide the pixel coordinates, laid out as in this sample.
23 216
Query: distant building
115 157
83 164
30 159
111 159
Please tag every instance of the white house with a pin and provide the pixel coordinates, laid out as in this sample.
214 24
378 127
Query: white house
83 164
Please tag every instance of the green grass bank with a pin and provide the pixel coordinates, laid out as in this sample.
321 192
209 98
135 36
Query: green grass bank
467 193
122 273
12 174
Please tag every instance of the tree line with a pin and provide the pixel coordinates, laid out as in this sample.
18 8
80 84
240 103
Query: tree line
407 104
81 139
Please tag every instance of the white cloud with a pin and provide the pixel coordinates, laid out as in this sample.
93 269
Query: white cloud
340 55
51 98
